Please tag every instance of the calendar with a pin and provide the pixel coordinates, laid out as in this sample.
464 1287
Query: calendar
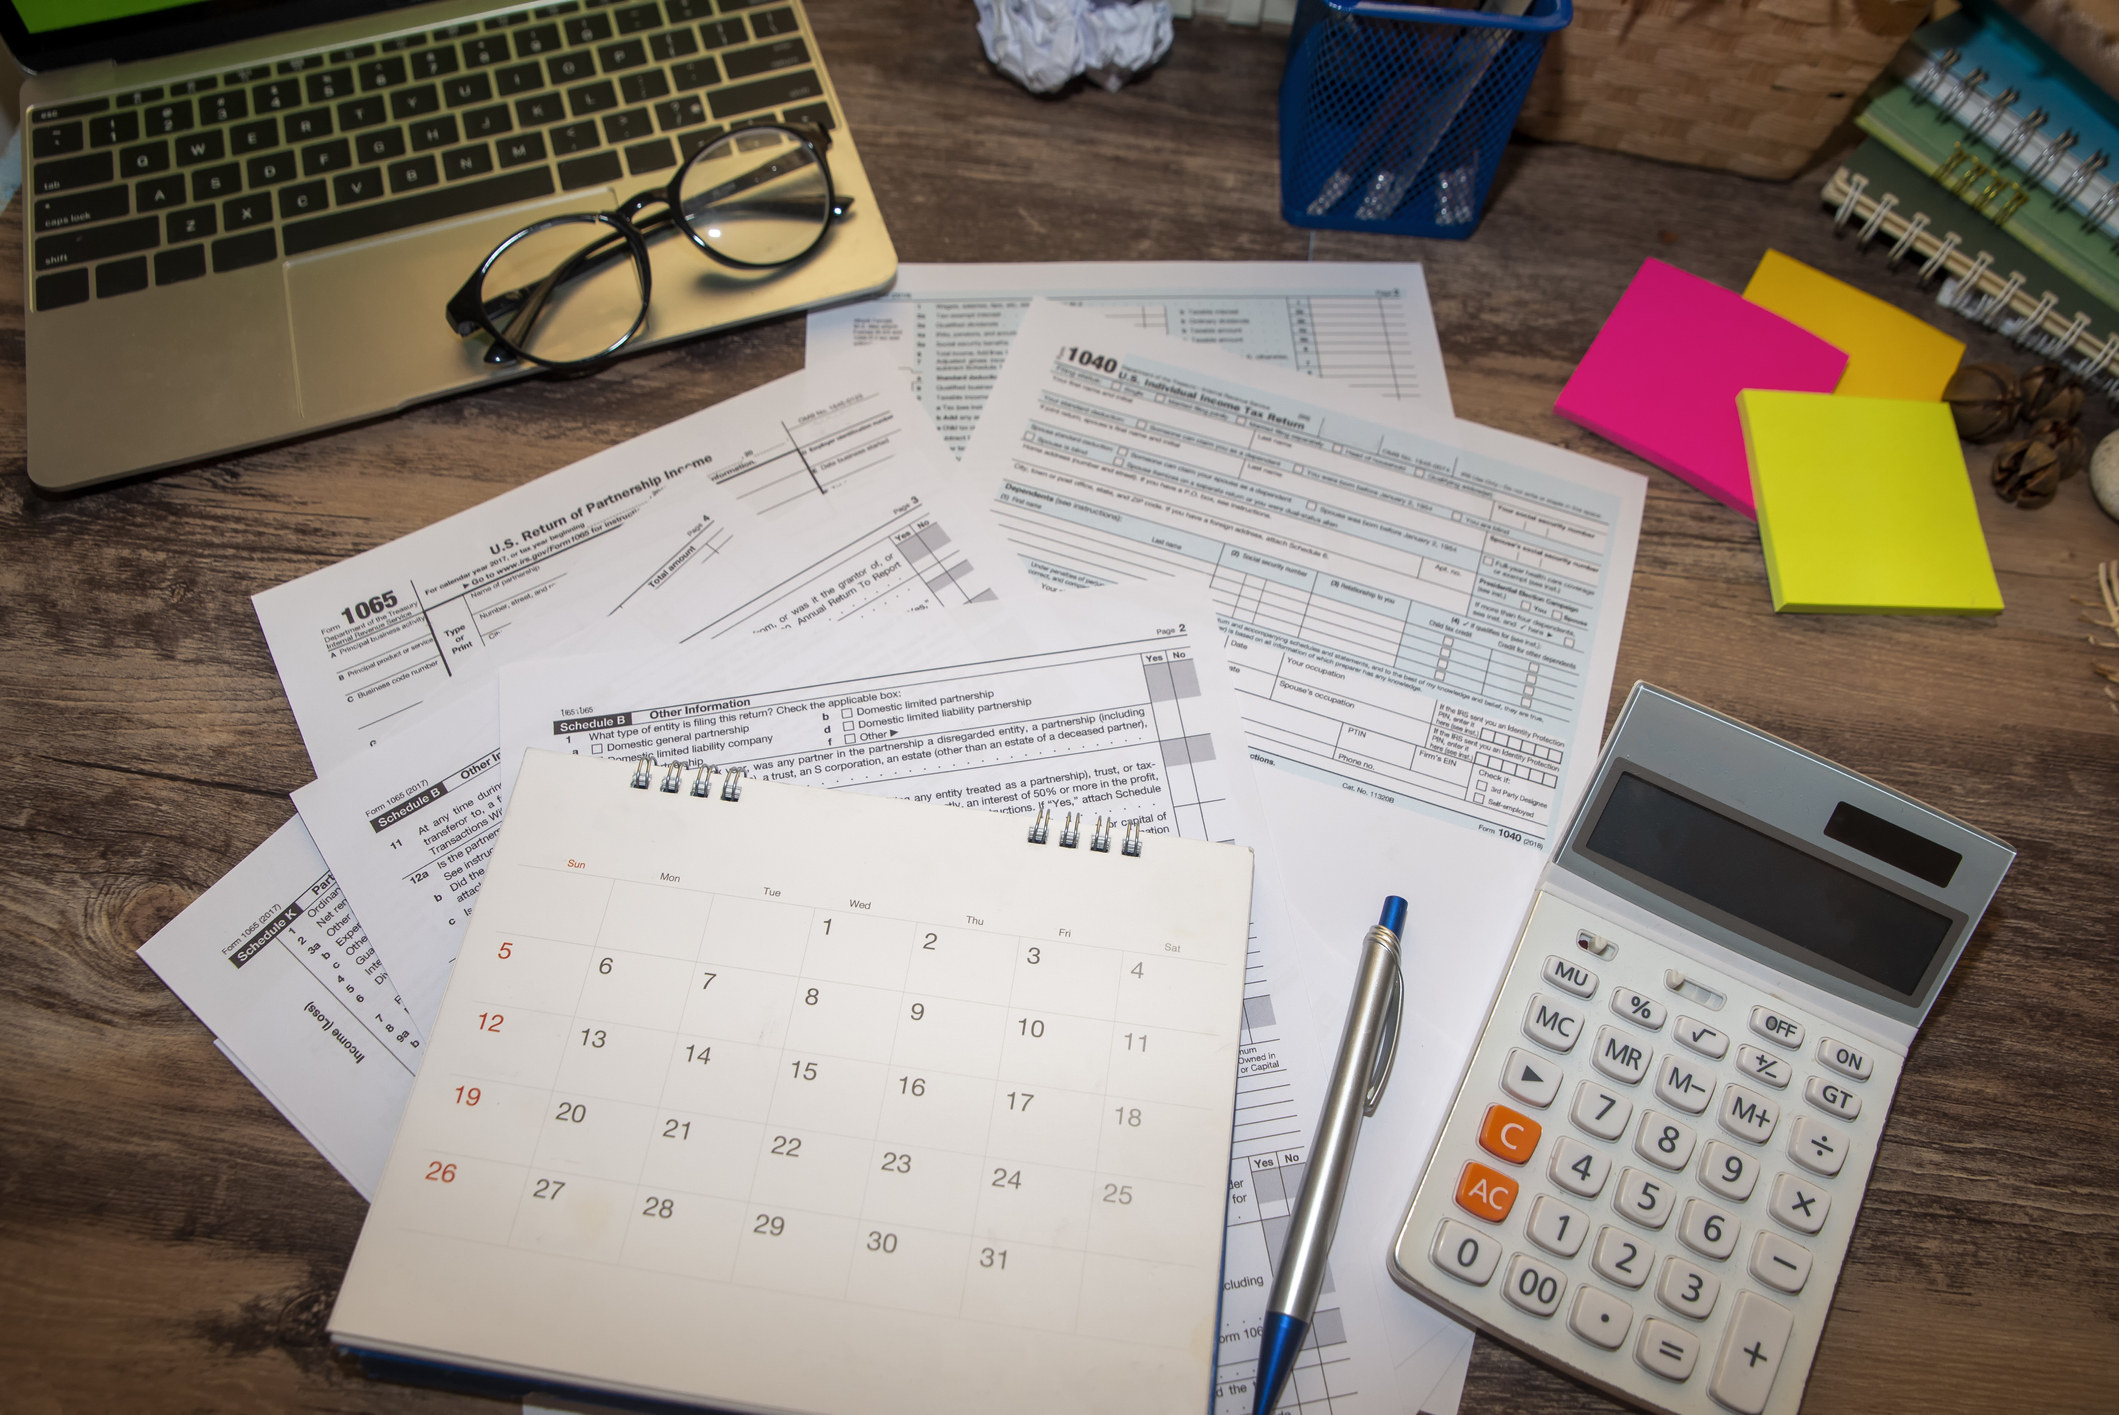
772 1098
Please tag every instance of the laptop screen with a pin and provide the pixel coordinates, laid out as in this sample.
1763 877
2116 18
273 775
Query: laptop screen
58 34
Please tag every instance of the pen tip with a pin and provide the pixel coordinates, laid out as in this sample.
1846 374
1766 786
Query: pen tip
1394 915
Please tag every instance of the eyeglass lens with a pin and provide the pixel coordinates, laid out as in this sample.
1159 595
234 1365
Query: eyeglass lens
594 303
760 197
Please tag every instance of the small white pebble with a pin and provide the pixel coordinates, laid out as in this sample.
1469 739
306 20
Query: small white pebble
2104 475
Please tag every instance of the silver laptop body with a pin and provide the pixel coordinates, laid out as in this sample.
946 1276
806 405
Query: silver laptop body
230 245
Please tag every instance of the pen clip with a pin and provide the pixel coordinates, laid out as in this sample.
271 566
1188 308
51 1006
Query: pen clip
1387 1049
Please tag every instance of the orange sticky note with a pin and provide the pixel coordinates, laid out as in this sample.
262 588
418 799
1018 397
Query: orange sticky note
1890 354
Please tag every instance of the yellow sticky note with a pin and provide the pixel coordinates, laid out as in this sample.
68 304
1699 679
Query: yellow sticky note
1865 506
1890 354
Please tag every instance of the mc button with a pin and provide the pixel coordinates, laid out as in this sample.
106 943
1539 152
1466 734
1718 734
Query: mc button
1507 1133
1485 1193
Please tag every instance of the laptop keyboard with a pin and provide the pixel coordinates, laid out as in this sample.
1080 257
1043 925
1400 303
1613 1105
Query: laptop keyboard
227 170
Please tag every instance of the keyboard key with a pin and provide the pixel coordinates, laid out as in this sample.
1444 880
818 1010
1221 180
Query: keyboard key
212 183
1528 1079
749 63
624 127
194 224
1578 1169
413 174
383 73
249 74
1799 1204
269 170
230 106
147 157
1623 1258
1846 1060
360 113
277 96
513 152
70 110
1551 1024
1481 1192
576 137
1748 1115
1706 1230
1777 1027
162 119
1780 1262
141 95
350 187
637 19
571 68
1763 1065
629 54
66 287
1644 1197
689 143
241 213
201 147
1505 1133
462 162
80 208
765 93
433 63
1556 1227
1728 1172
488 122
643 87
1818 1147
159 193
1751 1354
307 127
1663 1141
1599 1318
59 140
588 29
111 130
88 170
695 73
333 156
537 39
1687 1289
681 11
774 22
350 53
329 86
259 136
519 78
188 263
592 98
302 199
673 44
434 132
414 41
721 34
817 113
1832 1098
235 252
413 102
1601 1111
301 62
1667 1350
1533 1287
536 112
471 88
486 49
1682 1082
1619 1056
94 243
1465 1253
379 147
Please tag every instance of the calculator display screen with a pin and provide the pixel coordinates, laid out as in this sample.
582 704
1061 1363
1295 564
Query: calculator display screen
1702 857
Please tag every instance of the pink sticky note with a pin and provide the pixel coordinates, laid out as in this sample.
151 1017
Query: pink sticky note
1662 377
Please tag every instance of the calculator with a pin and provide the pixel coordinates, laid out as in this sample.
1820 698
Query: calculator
1657 1153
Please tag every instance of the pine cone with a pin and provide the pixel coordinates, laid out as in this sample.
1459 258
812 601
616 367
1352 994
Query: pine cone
2067 443
1984 400
2049 392
2027 473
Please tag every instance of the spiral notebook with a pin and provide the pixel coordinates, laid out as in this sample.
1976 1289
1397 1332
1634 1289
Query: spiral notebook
763 1097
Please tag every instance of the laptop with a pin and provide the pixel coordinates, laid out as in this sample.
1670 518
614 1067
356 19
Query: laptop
244 217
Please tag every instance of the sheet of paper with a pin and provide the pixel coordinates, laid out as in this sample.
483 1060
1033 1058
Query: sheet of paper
364 645
1112 707
1365 326
273 961
1890 354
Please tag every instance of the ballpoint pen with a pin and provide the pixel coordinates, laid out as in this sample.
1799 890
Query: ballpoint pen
1365 1053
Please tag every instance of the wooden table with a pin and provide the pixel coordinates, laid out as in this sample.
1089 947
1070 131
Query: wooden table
167 1242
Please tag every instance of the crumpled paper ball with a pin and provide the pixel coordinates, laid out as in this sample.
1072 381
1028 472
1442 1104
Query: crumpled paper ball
1041 44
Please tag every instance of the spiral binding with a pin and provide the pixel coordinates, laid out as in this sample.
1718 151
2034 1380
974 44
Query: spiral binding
702 782
1070 835
2075 182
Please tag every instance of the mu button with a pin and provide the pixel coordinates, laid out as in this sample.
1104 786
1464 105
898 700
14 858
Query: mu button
1508 1134
1485 1193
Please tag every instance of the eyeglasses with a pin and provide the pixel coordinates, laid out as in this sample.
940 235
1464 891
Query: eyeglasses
573 290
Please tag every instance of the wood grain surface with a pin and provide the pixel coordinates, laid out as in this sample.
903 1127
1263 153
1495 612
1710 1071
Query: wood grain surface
168 1243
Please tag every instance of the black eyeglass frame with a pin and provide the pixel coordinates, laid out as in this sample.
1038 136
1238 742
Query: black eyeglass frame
468 314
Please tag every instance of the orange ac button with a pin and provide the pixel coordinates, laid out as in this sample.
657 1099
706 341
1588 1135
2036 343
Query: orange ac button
1485 1193
1508 1134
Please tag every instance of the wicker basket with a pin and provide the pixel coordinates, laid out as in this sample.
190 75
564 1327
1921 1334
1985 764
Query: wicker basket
1753 86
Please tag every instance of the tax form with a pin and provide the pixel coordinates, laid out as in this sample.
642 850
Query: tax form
948 327
1115 709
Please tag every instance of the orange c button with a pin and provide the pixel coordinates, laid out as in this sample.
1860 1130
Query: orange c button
1485 1193
1509 1134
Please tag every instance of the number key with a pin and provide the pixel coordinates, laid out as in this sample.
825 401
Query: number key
1728 1171
1663 1141
1706 1230
1601 1111
1688 1290
1638 1007
1645 1198
1623 1258
1556 1227
1533 1287
1465 1253
1578 1169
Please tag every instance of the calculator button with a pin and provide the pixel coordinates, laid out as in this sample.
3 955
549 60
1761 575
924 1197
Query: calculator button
1763 1065
1485 1193
1623 1258
1846 1060
1643 1197
1687 1290
1816 1146
1707 1231
1578 1169
1681 1081
1533 1287
1637 1007
1619 1056
1549 1024
1601 1111
1702 1038
1566 973
1530 1080
1729 1172
1780 1262
1751 1354
1748 1115
1832 1097
1508 1134
1663 1141
1465 1252
1776 1027
1599 1318
1667 1350
1799 1204
1556 1227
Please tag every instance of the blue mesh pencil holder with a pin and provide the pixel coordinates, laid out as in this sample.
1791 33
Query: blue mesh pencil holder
1393 117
